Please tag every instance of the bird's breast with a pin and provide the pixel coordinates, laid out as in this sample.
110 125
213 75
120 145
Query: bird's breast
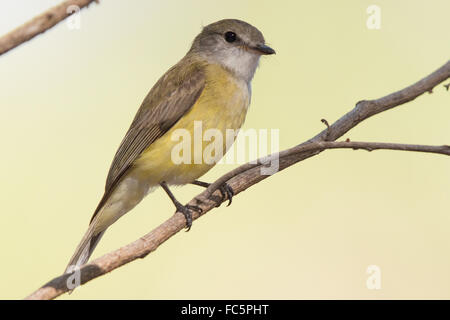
224 100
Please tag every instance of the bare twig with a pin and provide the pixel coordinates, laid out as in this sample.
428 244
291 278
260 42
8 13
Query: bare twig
248 174
325 122
39 24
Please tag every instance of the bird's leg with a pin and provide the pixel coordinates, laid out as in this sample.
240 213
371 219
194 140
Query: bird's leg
225 190
184 209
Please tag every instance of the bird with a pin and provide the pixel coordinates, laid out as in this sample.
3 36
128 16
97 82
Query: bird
211 84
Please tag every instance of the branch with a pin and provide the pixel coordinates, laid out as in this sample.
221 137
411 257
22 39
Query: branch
363 110
249 174
39 24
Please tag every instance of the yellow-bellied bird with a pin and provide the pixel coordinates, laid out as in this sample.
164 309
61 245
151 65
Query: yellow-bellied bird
210 84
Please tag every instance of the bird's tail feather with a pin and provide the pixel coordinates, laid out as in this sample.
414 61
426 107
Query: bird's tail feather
84 249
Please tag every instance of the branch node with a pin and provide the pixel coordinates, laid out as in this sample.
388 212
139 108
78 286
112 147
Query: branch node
362 103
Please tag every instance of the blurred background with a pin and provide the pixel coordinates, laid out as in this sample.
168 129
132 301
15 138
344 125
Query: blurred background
68 96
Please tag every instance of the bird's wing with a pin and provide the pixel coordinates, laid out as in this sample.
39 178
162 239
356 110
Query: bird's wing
170 98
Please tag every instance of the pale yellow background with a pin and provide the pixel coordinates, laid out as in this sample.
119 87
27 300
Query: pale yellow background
68 96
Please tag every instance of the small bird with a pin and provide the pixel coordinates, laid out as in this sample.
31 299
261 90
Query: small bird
211 84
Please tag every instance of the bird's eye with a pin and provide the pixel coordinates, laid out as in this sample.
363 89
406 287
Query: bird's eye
230 36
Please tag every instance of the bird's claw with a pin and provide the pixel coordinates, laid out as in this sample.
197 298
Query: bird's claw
227 192
186 211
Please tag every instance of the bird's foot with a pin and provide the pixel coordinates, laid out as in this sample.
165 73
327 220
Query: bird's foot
186 210
227 192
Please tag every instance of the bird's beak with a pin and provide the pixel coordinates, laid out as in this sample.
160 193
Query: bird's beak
263 49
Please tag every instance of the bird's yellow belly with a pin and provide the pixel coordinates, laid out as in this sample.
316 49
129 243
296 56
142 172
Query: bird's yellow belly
222 105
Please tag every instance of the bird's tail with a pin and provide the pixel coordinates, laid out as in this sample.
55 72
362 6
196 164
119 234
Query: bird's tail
84 249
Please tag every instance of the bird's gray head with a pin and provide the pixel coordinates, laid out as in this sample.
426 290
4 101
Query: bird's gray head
234 44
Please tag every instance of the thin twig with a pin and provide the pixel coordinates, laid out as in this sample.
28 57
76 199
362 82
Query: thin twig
39 24
247 175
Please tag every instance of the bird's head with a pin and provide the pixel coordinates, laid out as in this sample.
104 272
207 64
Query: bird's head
234 44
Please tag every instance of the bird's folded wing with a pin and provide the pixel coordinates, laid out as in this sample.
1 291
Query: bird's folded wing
169 99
